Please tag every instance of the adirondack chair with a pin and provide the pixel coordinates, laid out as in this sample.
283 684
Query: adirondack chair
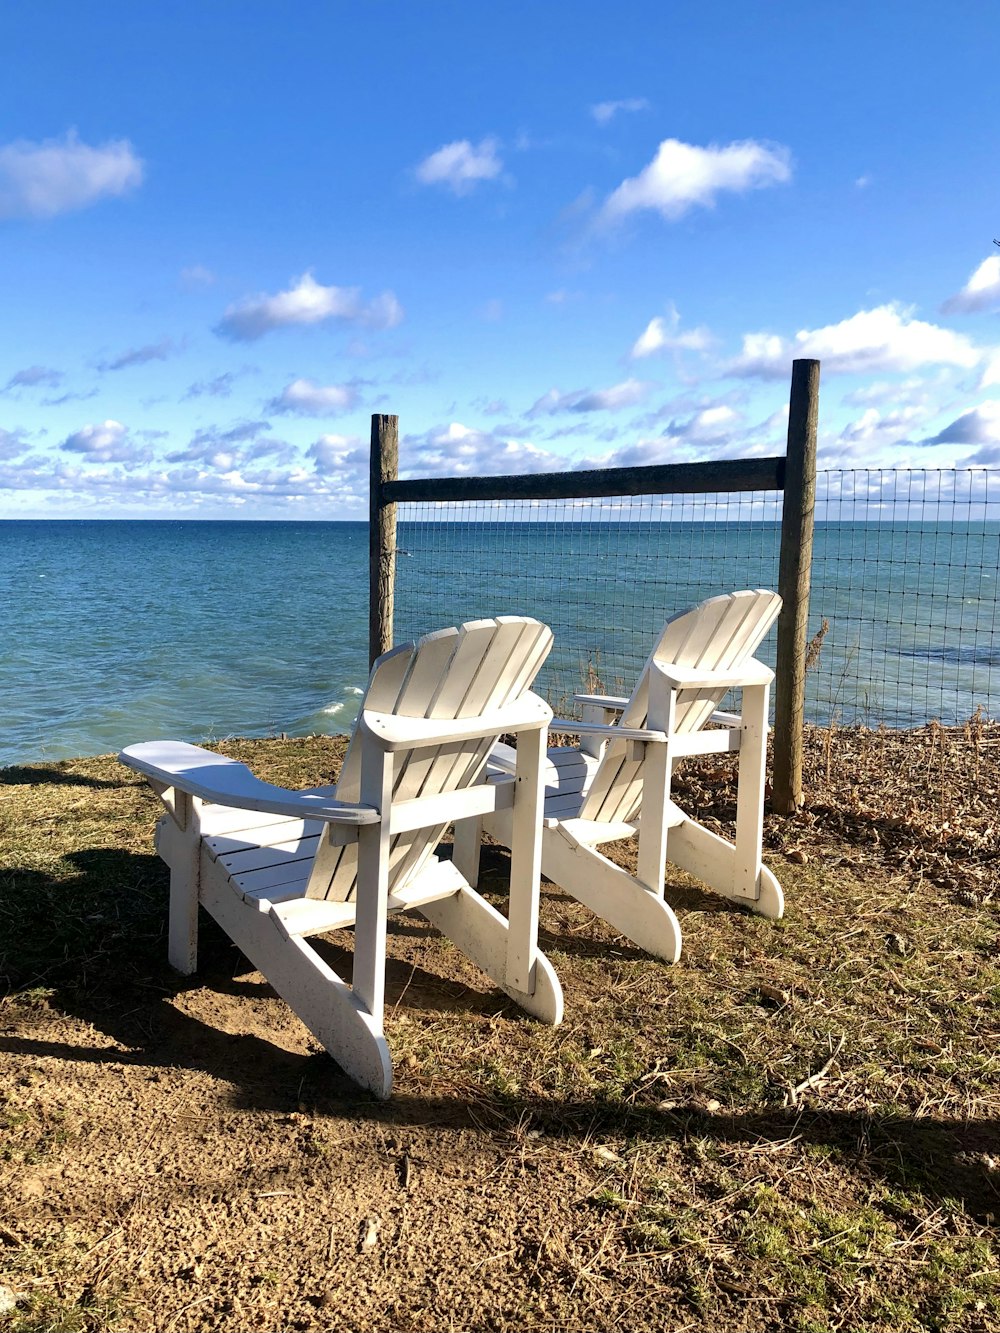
275 867
616 783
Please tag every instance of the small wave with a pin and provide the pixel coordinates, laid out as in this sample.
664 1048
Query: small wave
961 655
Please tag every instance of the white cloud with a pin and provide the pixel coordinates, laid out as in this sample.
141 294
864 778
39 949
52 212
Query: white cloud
460 166
626 394
197 276
683 176
662 334
32 376
872 341
305 303
310 399
12 443
980 425
604 112
40 180
340 454
879 428
140 356
458 450
889 391
981 292
991 370
106 442
221 386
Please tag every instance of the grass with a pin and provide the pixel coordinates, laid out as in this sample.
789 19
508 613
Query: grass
796 1127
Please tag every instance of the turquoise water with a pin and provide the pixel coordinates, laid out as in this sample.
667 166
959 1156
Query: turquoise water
114 632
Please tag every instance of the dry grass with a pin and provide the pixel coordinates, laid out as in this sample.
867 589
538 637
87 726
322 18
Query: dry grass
794 1128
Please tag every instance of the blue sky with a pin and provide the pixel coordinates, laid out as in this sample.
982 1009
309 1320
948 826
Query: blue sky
547 235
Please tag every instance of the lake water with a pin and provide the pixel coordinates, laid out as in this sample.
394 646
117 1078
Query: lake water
114 632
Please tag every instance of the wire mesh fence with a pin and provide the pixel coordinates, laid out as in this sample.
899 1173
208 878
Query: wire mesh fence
905 570
906 564
604 573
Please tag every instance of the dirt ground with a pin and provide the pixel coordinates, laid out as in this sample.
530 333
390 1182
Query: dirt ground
796 1127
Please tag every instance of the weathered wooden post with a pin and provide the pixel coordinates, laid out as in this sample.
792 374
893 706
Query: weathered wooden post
381 535
794 566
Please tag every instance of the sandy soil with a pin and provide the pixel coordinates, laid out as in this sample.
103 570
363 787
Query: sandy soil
178 1154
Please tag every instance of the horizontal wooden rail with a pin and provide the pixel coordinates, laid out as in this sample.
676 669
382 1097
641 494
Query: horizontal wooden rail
734 474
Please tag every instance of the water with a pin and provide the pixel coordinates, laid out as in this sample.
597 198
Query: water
115 632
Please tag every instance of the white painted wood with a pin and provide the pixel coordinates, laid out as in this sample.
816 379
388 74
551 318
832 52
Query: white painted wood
324 1002
607 703
184 863
699 657
481 933
750 791
211 777
525 862
427 811
290 865
466 848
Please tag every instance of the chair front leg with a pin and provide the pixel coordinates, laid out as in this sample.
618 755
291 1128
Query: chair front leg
526 861
368 982
657 770
178 841
750 791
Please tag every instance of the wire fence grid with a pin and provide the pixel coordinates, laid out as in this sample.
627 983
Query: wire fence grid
905 570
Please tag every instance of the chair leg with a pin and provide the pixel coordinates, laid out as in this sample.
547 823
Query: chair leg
750 792
713 859
482 934
612 893
179 844
323 1001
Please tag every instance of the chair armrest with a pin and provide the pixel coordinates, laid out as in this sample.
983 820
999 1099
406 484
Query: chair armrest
686 678
611 702
610 730
211 777
392 732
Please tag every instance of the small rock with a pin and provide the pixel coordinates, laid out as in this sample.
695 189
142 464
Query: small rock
606 1154
8 1301
898 944
797 856
369 1233
774 993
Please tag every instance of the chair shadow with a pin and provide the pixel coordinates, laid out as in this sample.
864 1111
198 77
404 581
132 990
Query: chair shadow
95 945
17 775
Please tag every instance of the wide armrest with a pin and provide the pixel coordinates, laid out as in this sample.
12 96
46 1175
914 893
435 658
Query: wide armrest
685 678
223 781
612 702
608 729
529 713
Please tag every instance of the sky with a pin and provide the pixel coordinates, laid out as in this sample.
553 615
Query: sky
548 236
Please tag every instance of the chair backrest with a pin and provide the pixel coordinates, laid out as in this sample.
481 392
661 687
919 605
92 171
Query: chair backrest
721 633
453 673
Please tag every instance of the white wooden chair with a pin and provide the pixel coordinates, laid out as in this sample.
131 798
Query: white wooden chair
275 867
616 784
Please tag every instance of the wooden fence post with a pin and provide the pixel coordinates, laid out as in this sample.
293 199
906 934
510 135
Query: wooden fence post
381 535
794 566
